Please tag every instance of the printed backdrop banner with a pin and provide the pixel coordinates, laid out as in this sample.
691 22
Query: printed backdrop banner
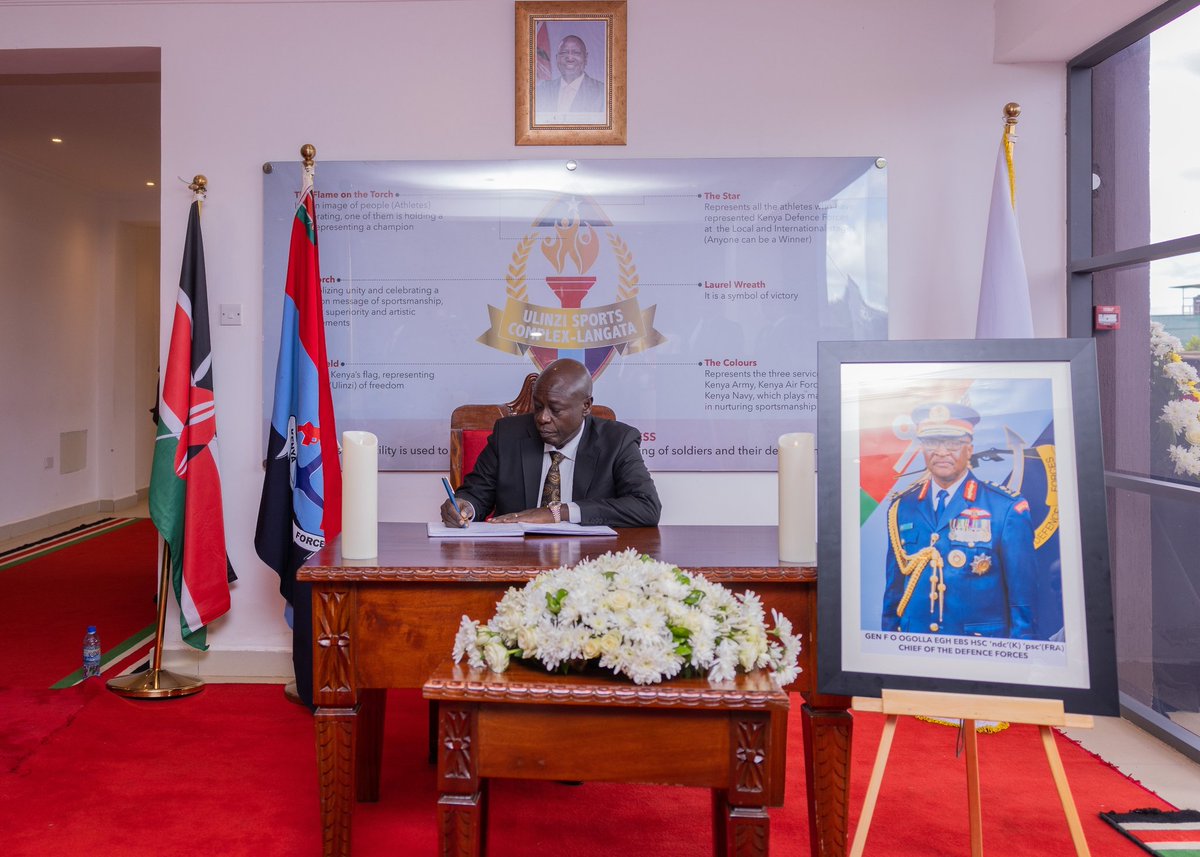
694 290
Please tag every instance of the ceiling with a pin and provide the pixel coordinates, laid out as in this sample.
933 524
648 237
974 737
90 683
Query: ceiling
102 102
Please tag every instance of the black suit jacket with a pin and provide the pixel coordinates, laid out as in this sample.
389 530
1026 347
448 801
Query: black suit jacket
611 484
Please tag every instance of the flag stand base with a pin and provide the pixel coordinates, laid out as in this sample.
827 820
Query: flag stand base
155 684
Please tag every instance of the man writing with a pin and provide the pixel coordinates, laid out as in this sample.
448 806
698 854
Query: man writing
559 463
574 91
960 557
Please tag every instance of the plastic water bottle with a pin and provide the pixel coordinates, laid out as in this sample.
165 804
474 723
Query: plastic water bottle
91 653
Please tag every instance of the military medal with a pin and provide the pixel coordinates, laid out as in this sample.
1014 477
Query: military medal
957 558
972 526
981 564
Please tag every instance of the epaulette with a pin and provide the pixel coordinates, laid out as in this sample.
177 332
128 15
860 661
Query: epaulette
896 495
1002 489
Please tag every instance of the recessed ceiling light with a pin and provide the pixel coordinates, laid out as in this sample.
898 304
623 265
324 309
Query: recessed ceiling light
56 139
149 184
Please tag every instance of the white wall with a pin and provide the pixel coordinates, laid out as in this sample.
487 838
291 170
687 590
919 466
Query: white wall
76 338
245 84
49 238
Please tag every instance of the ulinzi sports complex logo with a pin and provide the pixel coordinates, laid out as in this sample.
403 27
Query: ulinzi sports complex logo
591 334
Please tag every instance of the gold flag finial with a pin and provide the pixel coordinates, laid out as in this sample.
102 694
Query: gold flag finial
309 153
1012 112
199 184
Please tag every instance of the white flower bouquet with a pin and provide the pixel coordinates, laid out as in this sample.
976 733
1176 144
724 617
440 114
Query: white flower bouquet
1181 410
638 617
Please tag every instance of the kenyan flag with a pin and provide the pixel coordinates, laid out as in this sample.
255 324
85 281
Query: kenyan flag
1163 832
185 485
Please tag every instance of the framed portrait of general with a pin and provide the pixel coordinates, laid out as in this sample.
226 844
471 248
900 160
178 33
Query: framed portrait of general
570 73
963 539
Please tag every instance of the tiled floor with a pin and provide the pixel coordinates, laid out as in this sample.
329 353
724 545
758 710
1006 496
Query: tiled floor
1169 774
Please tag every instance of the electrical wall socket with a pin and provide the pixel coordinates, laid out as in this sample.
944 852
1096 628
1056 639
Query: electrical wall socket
231 314
48 462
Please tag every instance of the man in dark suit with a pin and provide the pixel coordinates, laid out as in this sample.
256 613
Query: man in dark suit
574 91
559 463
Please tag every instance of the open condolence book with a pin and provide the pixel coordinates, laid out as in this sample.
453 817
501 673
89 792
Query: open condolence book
491 531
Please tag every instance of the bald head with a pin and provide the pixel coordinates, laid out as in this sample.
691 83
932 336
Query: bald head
562 397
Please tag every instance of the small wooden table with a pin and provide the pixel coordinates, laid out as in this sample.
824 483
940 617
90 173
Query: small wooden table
526 724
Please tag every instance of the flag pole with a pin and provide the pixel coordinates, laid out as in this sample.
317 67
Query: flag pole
308 156
156 682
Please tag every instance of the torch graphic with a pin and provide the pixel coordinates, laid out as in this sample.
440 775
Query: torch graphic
581 247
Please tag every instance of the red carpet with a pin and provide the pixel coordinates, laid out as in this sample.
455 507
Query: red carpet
232 771
108 580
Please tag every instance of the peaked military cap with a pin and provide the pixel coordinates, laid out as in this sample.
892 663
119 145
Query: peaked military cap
945 419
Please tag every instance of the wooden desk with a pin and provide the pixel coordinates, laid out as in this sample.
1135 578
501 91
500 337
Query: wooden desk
388 622
526 723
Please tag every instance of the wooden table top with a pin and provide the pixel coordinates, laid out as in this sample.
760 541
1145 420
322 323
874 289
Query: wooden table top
522 683
721 553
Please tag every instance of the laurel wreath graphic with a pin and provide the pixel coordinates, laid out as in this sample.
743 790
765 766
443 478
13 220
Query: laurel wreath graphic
516 269
628 276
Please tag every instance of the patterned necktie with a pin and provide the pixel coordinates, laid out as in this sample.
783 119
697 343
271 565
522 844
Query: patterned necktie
552 490
941 506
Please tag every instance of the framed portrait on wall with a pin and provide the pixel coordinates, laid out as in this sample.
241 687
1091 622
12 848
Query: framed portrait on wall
570 73
963 539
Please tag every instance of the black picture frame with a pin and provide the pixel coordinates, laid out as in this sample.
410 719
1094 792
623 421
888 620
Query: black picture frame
870 397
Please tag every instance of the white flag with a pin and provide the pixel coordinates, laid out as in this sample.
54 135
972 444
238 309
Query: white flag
1004 310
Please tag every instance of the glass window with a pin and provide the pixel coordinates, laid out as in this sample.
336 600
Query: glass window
1158 639
1145 189
1145 123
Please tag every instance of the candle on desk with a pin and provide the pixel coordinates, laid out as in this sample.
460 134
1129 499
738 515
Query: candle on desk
360 495
797 498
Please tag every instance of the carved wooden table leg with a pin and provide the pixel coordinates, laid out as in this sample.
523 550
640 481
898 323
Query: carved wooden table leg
720 809
462 801
827 733
368 762
335 766
336 717
745 821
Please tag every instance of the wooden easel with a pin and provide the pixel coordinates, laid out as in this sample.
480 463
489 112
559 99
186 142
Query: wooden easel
1043 713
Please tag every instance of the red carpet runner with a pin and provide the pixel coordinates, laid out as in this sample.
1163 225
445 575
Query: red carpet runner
104 575
232 772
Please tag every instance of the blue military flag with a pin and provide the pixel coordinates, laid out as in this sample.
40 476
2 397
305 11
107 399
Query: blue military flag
301 506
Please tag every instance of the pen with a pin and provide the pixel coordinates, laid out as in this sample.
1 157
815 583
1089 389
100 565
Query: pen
450 494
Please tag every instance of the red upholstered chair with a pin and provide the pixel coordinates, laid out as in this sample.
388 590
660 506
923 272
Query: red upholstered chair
471 426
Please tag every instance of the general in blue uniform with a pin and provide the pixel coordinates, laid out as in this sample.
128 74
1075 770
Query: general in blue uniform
960 557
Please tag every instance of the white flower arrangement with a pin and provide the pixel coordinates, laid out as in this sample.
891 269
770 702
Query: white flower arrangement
636 616
1182 410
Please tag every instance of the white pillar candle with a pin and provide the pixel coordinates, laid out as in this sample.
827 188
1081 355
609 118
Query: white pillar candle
797 498
360 495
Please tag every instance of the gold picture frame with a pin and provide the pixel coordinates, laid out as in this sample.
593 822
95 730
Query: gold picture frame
570 73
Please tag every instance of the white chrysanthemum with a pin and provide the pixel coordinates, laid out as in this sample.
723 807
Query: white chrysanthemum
1181 414
1186 460
464 640
1162 343
725 664
1181 372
